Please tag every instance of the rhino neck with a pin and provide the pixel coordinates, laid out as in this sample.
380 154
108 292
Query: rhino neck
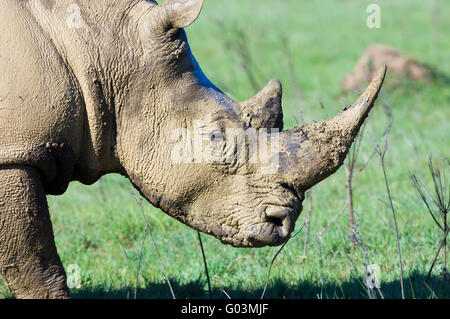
99 55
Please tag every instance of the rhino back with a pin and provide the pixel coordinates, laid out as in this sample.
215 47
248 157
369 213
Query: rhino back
41 113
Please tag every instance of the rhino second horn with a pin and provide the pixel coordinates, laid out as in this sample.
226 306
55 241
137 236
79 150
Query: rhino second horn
264 109
312 152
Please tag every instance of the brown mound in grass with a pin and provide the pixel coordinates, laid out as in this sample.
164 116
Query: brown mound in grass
399 66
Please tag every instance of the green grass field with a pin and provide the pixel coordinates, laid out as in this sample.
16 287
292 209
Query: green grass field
324 39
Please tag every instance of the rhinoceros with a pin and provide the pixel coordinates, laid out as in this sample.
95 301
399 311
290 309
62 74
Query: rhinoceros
104 92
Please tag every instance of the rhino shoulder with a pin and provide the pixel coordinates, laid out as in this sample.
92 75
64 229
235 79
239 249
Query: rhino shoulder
39 99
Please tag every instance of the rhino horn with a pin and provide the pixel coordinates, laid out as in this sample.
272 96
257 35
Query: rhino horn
312 152
174 14
264 109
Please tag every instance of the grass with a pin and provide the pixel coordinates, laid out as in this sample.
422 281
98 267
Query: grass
325 39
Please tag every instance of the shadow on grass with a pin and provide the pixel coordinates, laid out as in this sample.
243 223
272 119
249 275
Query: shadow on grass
279 289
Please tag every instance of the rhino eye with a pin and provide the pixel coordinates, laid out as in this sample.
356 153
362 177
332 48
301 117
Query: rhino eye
215 136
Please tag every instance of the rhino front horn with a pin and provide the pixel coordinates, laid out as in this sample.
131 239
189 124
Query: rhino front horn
312 152
174 14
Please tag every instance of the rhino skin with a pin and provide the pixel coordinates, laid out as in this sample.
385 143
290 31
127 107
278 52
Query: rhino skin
78 101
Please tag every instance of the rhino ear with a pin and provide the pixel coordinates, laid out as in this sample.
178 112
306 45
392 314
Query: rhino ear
264 109
176 14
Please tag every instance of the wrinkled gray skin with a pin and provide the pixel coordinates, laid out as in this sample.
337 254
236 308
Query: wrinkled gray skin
78 103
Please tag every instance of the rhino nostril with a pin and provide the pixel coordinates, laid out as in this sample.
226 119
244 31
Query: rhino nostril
285 230
274 220
280 218
276 212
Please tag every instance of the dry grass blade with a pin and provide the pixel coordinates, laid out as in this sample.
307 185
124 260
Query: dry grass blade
275 257
139 202
431 290
226 294
382 154
419 189
307 223
437 255
139 263
360 242
351 172
441 201
205 263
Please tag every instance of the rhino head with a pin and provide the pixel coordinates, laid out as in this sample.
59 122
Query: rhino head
177 133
